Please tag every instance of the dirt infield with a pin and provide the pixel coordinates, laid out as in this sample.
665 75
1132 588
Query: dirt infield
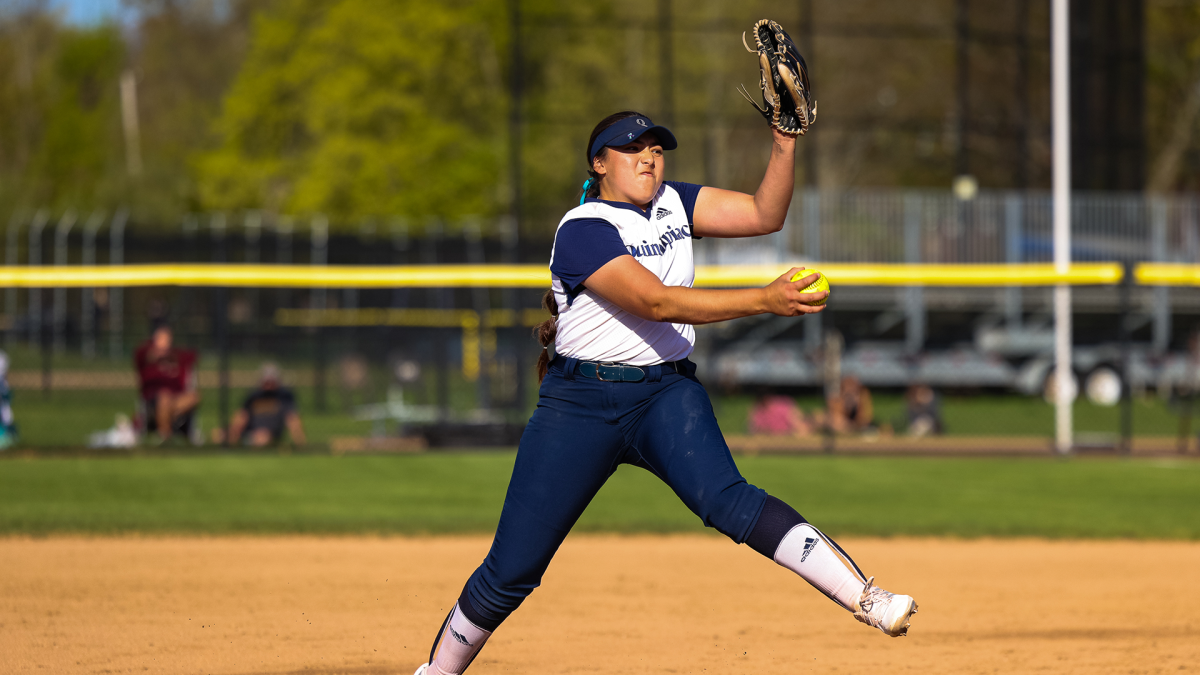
608 605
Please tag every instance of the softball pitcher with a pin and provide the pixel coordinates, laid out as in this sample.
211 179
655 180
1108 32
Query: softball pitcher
618 387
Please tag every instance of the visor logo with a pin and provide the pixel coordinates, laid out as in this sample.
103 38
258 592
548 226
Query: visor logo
641 122
630 134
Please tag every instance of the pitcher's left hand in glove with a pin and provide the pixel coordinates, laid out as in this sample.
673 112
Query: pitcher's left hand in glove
787 95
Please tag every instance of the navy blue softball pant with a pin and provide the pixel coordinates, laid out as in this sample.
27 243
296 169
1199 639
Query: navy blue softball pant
582 430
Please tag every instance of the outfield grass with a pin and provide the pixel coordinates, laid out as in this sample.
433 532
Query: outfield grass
65 418
987 414
463 492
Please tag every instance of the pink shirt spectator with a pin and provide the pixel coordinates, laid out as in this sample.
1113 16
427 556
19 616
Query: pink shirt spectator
776 415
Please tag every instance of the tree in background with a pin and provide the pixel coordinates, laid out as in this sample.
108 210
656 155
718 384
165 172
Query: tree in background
61 136
184 54
62 143
357 108
1173 95
362 110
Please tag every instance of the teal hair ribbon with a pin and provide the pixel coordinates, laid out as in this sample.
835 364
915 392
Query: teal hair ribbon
586 184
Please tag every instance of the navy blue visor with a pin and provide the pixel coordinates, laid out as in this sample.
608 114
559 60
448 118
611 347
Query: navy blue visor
629 130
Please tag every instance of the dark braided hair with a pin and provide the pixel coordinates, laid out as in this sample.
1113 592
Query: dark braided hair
546 332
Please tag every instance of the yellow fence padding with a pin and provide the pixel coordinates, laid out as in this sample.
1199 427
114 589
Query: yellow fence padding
538 276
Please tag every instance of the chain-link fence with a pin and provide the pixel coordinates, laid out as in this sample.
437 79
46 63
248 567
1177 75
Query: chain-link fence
823 226
440 354
993 227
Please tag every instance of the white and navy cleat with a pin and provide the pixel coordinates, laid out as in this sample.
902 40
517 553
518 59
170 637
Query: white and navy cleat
422 669
888 612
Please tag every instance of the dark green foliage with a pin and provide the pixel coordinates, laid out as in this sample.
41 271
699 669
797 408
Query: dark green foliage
373 110
356 108
62 137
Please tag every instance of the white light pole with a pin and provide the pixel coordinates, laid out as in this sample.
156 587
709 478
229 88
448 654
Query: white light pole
1060 83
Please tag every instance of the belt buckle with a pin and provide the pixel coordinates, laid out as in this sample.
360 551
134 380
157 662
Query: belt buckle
600 373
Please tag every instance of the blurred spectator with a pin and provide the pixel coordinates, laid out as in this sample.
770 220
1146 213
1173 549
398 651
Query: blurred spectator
851 410
924 411
778 416
266 412
168 386
8 425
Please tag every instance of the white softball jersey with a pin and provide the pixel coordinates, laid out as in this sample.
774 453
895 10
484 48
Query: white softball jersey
591 328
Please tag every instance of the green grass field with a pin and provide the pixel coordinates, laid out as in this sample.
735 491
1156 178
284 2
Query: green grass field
988 414
463 492
65 418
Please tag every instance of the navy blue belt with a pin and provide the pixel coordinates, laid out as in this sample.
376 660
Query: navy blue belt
621 372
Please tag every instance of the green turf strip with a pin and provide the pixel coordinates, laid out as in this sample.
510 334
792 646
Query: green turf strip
463 492
43 423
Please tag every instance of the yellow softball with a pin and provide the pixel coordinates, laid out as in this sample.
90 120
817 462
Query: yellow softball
821 284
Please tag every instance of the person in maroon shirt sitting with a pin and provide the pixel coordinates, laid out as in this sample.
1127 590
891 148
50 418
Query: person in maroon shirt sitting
167 387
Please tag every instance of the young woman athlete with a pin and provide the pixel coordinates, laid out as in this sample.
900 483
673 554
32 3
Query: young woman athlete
618 387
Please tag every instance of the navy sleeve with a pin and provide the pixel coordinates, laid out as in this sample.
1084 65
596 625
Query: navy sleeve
581 247
688 193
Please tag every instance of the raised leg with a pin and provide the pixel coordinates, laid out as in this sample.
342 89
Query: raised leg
678 439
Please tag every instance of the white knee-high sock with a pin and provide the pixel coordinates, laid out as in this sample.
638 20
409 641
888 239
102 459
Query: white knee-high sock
805 551
460 642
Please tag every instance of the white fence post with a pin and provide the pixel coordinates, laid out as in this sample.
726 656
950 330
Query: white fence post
1161 333
87 295
61 233
35 294
116 294
812 251
915 300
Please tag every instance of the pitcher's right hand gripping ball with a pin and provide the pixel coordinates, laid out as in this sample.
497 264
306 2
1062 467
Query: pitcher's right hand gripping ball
783 77
821 284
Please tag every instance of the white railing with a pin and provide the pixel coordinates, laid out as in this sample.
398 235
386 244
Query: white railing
900 226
